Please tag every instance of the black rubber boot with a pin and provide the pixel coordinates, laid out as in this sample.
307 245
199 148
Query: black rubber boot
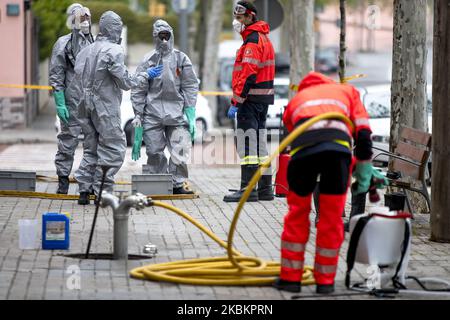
289 286
63 185
84 199
183 190
247 173
325 288
265 190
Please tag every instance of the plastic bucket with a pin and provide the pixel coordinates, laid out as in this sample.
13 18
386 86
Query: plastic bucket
28 234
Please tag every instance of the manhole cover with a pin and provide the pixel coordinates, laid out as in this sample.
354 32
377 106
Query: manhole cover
104 256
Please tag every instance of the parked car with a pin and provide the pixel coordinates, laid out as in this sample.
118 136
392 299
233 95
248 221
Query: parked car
226 66
327 60
202 112
377 100
276 110
203 118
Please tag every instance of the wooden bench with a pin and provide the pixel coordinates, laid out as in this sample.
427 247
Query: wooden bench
410 159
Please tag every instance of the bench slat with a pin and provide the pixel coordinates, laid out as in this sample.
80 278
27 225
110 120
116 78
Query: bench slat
407 169
417 136
414 153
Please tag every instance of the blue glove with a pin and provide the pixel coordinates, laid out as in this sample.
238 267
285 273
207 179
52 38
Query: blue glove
232 112
154 72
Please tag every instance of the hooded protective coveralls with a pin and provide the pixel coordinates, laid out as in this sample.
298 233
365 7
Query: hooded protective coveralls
160 105
325 149
61 74
101 75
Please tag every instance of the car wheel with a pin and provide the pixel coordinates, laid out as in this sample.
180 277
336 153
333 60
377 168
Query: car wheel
129 133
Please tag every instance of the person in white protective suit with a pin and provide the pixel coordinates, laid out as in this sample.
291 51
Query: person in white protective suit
165 109
61 74
101 76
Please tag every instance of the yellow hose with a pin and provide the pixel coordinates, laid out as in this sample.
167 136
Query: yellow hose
233 269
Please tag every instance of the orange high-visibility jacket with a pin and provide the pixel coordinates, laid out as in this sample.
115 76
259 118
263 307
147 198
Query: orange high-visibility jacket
254 68
319 94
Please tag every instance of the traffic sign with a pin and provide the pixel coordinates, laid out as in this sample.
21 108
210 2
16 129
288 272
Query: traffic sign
270 11
187 6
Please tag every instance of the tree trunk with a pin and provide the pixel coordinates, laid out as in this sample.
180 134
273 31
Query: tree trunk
210 71
301 42
440 216
408 91
200 39
342 41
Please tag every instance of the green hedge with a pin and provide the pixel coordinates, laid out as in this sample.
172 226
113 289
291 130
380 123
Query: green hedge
51 15
140 26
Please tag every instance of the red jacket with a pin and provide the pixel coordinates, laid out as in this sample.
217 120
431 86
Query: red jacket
254 69
318 95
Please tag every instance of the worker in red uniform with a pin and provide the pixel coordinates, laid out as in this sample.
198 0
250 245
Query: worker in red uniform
253 92
325 149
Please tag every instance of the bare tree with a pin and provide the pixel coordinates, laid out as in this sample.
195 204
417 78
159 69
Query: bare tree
301 42
409 100
200 39
342 41
210 70
440 216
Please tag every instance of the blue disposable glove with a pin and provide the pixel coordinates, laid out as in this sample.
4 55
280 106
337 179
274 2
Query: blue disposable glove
232 112
154 72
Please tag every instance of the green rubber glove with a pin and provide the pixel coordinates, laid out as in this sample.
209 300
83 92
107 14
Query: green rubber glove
363 174
381 180
190 115
61 109
136 153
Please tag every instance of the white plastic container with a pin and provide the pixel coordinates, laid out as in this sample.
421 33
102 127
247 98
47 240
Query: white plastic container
28 234
381 241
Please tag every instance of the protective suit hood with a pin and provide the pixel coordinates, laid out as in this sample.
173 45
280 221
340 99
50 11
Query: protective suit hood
259 26
314 79
160 26
110 26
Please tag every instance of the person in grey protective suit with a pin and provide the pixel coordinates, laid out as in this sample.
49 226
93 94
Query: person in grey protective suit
101 75
61 73
165 109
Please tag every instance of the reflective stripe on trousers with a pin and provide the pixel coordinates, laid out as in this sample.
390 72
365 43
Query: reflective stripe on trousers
327 253
325 269
292 246
292 264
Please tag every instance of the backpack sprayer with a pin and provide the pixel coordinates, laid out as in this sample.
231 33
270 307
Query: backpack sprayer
381 239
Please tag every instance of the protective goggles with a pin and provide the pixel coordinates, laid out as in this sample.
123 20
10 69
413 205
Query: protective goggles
164 36
241 10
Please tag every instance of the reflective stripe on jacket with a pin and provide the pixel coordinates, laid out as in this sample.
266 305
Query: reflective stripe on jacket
318 95
254 68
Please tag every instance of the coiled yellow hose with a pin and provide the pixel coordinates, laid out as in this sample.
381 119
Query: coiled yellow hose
234 269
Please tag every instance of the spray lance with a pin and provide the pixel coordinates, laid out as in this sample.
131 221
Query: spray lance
97 206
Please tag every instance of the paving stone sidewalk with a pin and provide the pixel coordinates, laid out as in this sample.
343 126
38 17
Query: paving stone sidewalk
39 274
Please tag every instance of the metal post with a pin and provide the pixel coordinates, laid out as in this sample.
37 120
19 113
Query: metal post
184 31
266 11
120 235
